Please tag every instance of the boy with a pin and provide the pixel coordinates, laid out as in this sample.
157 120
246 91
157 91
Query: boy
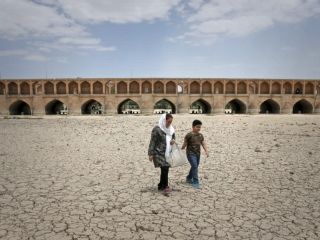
193 141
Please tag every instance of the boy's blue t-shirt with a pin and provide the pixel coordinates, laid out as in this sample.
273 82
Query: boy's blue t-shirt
194 141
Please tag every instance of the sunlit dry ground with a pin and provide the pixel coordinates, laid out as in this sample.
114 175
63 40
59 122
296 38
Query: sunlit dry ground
90 178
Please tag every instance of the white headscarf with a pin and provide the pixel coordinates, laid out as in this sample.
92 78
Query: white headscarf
169 132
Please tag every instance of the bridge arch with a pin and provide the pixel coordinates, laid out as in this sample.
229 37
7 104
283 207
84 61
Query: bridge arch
134 87
269 106
171 88
309 88
24 88
236 106
218 88
200 107
163 106
13 88
298 88
73 87
54 107
264 88
230 88
194 88
128 106
97 87
287 87
241 88
276 88
206 87
158 87
302 106
61 88
85 87
19 108
91 106
146 87
48 88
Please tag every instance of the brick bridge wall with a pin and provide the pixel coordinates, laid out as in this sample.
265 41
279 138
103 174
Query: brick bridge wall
35 96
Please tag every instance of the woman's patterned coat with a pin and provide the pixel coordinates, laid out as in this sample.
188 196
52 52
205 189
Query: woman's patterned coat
157 147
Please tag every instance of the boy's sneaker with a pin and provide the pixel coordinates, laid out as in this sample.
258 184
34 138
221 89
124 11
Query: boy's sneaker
196 185
188 180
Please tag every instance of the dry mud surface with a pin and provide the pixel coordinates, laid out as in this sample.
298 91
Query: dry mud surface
90 178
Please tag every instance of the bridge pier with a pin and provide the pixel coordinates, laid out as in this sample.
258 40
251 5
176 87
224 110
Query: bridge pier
253 111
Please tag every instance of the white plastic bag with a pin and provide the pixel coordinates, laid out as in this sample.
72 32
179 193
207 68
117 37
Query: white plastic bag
177 157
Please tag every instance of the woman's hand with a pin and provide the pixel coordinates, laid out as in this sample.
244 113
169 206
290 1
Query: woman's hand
172 142
150 158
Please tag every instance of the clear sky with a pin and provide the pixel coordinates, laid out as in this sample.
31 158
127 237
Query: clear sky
160 38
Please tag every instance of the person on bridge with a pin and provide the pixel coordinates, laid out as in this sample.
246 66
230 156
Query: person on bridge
162 137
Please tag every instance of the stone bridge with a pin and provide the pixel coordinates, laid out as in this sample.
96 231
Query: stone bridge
110 96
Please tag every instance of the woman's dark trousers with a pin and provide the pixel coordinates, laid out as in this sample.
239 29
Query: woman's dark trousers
163 178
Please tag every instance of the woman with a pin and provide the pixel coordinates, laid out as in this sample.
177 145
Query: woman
162 137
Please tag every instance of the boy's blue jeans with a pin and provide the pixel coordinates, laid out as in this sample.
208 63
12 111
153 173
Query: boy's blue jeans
194 161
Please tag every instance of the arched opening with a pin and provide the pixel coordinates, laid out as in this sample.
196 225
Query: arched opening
171 88
61 88
146 87
218 88
242 88
264 88
200 107
24 88
19 108
230 88
269 106
302 106
73 87
309 88
13 88
235 106
55 107
97 88
128 107
298 88
195 88
206 88
2 88
92 107
158 87
287 88
134 87
122 87
48 88
276 88
164 106
85 88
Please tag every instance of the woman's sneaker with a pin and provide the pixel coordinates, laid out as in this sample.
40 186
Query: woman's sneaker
167 189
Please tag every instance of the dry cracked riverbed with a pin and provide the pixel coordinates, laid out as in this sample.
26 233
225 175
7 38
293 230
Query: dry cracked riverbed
90 178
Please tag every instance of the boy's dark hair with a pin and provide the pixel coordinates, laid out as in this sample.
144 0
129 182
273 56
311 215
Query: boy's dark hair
168 115
196 122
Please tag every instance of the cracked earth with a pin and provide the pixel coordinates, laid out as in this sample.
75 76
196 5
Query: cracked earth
90 178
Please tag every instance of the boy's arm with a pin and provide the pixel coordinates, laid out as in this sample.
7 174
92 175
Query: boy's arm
184 142
184 145
204 145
